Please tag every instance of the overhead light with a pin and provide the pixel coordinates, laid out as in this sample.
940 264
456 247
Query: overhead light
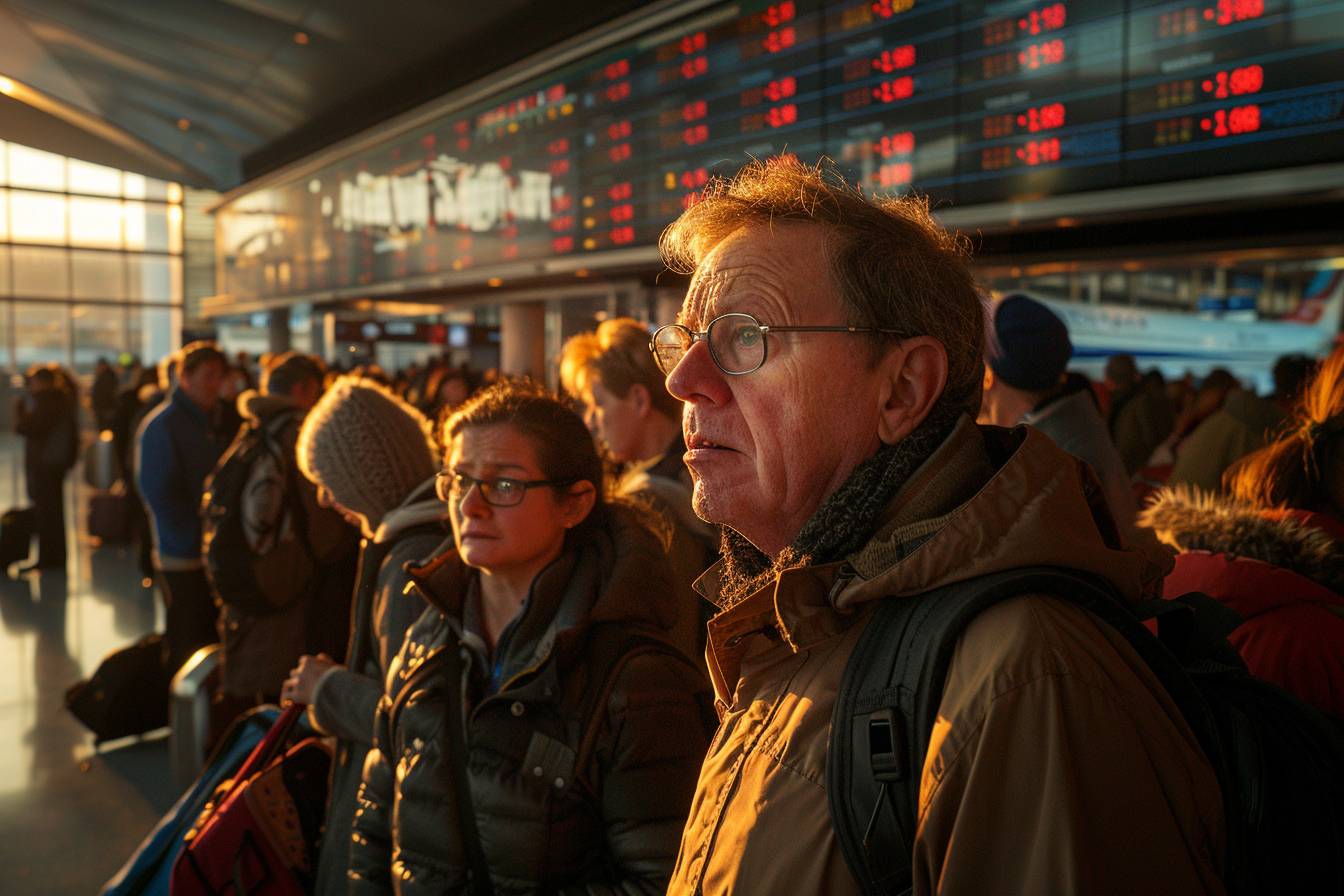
183 124
494 281
7 87
301 38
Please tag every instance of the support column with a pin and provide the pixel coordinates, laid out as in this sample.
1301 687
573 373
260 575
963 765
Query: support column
277 327
522 339
322 330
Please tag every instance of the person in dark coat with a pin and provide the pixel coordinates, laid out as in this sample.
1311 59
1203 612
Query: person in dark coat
178 445
104 395
370 457
46 418
583 725
1029 349
313 569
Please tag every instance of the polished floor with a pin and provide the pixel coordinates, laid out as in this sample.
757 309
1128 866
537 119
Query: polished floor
69 814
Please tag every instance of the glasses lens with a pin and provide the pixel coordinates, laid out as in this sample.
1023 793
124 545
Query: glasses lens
444 485
502 492
737 343
670 344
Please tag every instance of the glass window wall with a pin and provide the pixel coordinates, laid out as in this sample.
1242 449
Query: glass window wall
90 261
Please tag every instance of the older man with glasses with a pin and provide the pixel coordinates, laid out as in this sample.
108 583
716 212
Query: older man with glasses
829 353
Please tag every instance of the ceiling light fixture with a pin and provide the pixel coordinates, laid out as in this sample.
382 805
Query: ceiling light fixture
7 87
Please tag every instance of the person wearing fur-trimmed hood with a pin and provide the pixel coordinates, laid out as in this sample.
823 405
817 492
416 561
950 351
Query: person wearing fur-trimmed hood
1272 548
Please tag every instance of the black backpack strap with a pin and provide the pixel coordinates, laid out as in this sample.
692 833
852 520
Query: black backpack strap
892 688
610 648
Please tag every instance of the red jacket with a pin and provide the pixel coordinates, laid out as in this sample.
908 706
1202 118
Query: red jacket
1282 572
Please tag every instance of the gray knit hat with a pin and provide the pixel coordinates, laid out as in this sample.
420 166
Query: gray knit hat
366 446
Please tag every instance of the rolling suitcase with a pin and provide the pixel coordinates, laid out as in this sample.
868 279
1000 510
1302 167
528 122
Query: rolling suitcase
16 534
110 517
102 467
189 716
126 695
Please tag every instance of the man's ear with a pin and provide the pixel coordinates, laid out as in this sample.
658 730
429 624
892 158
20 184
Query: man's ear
915 374
580 498
643 402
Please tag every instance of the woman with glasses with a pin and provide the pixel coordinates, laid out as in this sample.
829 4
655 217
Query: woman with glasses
538 732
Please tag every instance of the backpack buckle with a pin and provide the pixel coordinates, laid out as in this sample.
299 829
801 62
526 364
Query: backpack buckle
887 750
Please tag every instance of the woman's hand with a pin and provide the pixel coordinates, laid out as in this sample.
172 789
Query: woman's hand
301 685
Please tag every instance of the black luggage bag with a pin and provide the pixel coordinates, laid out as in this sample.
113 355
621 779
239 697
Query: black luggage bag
110 517
127 694
16 534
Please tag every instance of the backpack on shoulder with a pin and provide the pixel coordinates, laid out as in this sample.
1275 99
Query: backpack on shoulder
264 563
1280 763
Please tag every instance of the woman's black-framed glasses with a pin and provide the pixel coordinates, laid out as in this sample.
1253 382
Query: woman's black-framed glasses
501 491
737 342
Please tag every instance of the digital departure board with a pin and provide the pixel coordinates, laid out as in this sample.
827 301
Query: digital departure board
970 103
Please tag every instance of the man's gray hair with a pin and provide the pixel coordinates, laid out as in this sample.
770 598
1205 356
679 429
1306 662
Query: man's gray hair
896 268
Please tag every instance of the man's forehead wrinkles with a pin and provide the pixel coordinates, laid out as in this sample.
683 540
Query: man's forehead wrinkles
725 286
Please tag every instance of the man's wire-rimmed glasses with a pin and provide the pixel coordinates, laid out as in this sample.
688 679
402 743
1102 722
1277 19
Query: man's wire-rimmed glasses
737 342
500 491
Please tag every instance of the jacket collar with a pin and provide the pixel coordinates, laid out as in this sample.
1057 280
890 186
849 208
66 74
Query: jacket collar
987 500
800 603
612 573
261 408
180 399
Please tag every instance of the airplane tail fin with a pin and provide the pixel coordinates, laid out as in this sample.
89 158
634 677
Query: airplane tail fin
1322 302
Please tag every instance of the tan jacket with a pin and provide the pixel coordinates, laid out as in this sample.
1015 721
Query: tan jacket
1059 764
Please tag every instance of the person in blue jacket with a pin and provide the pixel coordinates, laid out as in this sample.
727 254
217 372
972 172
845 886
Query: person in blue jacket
176 449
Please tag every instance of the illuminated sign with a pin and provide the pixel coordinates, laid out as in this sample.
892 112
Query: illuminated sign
970 102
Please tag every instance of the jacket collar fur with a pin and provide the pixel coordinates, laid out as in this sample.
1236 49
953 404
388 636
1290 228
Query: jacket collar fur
1190 520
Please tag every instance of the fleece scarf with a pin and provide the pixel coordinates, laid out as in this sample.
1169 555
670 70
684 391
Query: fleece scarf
844 522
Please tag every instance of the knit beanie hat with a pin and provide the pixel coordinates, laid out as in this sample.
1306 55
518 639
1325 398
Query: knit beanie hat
1030 348
366 446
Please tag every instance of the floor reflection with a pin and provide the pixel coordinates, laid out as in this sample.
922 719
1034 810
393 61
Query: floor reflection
69 815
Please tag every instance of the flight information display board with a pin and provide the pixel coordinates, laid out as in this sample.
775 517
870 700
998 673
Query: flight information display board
973 102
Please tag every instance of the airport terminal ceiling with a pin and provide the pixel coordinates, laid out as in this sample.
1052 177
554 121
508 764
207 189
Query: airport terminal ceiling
212 92
1058 114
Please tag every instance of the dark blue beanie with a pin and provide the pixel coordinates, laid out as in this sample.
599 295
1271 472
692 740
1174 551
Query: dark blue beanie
1033 346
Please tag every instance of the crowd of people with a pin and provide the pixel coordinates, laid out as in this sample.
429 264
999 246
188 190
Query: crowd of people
593 641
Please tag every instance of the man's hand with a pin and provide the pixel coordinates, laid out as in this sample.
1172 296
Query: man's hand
301 685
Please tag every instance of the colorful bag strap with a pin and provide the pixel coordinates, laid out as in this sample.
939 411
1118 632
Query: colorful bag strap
270 745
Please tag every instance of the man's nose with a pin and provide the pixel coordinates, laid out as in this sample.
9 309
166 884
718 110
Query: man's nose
697 379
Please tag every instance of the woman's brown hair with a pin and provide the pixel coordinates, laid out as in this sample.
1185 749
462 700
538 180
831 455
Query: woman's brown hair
1295 470
564 447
